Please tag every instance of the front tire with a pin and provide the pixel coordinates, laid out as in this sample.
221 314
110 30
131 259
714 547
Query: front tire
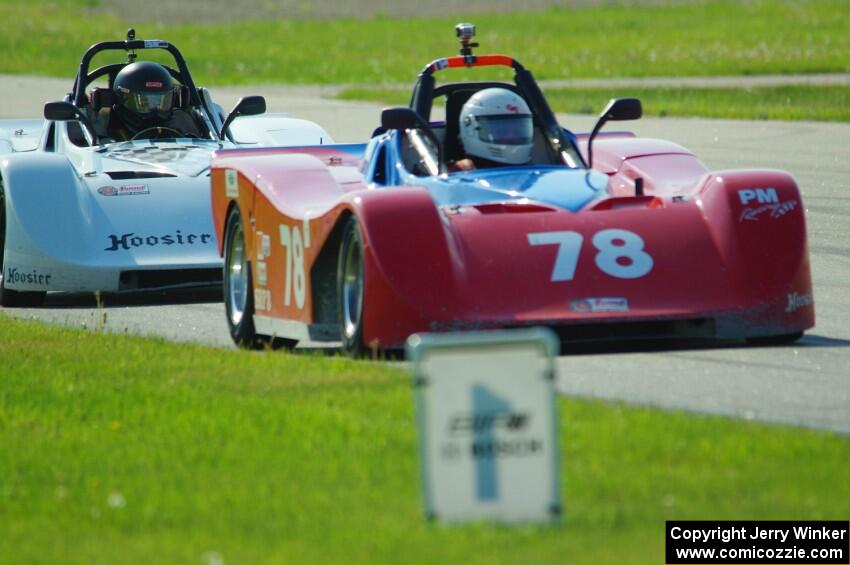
351 288
239 290
12 298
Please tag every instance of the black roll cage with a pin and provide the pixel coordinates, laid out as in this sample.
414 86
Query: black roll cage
84 78
424 92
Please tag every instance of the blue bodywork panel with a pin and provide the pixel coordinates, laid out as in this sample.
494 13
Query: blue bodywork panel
557 185
566 188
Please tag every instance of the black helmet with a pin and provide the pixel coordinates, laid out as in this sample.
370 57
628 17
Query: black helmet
145 90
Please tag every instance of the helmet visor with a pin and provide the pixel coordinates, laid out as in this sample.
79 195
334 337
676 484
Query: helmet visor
507 129
147 102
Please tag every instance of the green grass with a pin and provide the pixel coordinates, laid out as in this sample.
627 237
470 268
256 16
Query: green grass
117 449
710 38
829 103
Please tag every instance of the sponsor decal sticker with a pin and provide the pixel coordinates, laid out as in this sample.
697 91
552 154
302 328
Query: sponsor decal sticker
765 201
14 275
441 64
513 108
760 195
124 190
132 240
261 254
797 301
264 246
604 304
153 84
261 273
774 211
262 299
231 183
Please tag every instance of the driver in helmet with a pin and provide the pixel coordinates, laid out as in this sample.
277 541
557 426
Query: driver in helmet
496 128
144 99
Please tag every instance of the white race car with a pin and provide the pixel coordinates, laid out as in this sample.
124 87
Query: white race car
80 211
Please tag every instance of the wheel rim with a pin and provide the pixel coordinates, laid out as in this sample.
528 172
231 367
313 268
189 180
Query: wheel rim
237 269
352 288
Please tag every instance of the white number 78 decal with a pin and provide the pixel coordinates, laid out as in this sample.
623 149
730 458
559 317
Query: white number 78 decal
296 281
613 245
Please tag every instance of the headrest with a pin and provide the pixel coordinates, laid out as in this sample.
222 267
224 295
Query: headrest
102 98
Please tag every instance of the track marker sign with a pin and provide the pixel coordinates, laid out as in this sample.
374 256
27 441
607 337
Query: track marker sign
488 425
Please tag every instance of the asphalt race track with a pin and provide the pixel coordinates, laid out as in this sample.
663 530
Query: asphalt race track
805 384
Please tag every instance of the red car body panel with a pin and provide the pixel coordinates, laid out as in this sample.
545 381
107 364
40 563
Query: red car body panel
727 249
667 248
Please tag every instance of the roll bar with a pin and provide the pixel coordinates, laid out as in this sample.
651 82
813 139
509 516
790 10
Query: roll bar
130 45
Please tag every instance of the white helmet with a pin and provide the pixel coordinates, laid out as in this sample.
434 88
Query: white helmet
496 124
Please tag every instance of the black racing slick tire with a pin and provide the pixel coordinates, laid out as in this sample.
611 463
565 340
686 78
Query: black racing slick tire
351 285
12 298
239 290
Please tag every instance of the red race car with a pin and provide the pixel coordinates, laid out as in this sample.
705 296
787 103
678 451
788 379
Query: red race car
494 216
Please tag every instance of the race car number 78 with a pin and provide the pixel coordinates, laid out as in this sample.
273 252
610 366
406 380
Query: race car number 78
620 253
291 239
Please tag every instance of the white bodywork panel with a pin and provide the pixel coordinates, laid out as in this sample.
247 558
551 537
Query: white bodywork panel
277 130
20 135
103 218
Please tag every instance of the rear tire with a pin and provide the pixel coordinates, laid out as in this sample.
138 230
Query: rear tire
239 290
351 289
12 298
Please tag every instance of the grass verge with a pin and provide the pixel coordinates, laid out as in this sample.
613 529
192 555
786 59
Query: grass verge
715 37
126 450
827 103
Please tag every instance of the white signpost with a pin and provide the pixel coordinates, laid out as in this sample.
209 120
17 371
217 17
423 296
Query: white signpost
488 425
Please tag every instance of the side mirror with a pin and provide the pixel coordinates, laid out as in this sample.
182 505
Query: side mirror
60 111
67 112
401 117
621 109
247 106
404 118
618 109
